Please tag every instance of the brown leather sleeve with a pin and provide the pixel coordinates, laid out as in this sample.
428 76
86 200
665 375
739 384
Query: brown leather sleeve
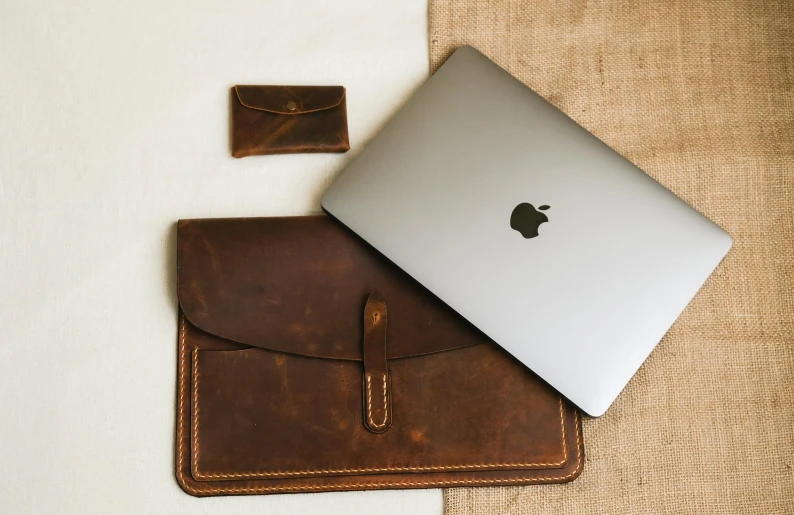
278 415
288 120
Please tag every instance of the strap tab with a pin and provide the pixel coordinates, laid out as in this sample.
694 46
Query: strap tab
376 380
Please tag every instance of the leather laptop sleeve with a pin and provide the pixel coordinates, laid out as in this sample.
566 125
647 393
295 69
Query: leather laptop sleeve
288 120
308 362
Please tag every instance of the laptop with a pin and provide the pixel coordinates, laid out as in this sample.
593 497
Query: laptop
551 243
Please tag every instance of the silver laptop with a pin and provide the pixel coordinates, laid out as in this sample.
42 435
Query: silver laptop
551 243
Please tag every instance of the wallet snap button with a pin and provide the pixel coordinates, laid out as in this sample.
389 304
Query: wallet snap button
291 105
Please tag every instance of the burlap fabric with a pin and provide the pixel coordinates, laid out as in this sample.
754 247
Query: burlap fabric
701 96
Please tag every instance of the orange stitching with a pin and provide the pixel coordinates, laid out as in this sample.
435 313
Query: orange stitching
182 480
369 404
564 443
450 483
180 419
442 483
194 442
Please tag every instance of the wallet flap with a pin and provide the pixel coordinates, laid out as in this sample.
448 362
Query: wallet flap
290 99
299 285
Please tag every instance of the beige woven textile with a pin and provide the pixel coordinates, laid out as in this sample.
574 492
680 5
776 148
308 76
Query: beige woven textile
701 96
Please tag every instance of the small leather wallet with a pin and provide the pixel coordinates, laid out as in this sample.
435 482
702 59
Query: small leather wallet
308 362
288 120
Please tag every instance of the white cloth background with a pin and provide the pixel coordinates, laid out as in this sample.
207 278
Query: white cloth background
113 125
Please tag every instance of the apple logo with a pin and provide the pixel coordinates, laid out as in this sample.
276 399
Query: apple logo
526 220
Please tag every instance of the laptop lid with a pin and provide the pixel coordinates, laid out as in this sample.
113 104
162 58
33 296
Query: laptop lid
550 242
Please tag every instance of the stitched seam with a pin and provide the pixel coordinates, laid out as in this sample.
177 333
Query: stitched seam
369 404
194 490
180 419
194 437
564 444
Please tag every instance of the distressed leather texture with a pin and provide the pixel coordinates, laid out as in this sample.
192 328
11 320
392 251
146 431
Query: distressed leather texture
288 120
308 362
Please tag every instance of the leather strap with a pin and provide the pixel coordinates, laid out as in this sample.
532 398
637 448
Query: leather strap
376 380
